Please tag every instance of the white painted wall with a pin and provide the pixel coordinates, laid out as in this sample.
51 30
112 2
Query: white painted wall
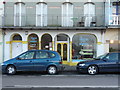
1 11
1 47
53 33
1 37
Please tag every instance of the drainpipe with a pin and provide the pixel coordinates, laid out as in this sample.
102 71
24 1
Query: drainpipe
3 44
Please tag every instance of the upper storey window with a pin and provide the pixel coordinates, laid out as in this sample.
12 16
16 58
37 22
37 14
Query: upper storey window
41 14
89 13
19 14
116 8
115 14
67 14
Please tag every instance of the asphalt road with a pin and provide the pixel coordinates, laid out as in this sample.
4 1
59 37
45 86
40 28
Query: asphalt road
75 80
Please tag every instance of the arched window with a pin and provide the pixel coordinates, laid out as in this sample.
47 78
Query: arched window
17 37
33 42
62 37
46 42
83 46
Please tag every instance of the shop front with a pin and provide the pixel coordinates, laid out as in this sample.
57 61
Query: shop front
72 46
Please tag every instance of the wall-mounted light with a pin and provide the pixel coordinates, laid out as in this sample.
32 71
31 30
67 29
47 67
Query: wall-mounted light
26 32
111 41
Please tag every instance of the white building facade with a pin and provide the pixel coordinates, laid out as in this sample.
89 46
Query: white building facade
112 38
1 33
67 27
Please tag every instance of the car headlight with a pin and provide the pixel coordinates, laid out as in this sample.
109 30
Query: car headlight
2 64
82 64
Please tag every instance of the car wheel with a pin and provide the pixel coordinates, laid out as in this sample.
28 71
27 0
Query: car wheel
92 70
11 70
52 70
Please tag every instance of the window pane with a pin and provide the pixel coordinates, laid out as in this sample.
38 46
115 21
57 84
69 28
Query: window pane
41 55
17 37
52 55
28 55
112 56
83 46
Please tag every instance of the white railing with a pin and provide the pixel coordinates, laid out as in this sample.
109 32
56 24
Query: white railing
114 20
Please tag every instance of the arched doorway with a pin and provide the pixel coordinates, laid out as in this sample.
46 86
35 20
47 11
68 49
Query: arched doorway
46 42
83 46
62 47
33 42
16 45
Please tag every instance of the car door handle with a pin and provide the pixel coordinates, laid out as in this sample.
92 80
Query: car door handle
47 60
30 61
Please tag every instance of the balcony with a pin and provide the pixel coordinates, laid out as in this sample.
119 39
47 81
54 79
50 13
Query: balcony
47 21
114 20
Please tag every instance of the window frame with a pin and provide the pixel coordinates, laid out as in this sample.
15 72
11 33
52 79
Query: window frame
26 53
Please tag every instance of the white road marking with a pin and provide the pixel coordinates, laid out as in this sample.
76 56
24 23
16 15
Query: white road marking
30 86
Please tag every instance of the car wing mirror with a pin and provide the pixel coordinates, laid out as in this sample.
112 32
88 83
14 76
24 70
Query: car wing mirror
18 58
105 59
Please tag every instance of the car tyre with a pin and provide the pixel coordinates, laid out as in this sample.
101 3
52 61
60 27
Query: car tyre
92 70
52 70
11 70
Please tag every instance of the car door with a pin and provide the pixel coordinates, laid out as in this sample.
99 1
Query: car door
118 62
25 61
41 60
110 63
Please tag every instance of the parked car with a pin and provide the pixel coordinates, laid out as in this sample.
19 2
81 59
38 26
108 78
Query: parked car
109 62
34 60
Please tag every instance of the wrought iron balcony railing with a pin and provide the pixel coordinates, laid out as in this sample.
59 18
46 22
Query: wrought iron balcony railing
32 20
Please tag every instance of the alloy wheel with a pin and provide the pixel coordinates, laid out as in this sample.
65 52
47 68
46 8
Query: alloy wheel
52 70
92 70
11 70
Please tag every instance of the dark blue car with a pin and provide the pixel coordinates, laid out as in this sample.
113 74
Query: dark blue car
109 62
34 60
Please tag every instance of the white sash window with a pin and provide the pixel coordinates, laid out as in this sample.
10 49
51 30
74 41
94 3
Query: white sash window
41 14
19 14
67 14
89 13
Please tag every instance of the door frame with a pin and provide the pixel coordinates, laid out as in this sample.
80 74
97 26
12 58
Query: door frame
62 43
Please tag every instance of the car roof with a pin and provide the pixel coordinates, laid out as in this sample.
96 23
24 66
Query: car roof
42 50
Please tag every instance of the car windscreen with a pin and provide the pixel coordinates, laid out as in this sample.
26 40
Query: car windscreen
101 56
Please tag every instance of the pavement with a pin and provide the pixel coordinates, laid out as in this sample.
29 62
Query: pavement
69 68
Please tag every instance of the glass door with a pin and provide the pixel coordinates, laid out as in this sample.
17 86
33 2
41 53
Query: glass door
62 50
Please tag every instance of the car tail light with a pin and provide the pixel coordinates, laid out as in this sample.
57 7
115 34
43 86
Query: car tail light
60 62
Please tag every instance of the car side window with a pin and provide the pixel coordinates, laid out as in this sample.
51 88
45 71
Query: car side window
112 57
51 55
41 54
27 55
